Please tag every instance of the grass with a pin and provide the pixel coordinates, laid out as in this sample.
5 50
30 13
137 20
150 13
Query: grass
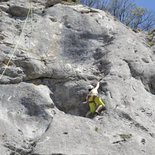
151 43
96 129
125 136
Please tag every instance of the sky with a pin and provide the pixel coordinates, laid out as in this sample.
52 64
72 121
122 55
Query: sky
149 4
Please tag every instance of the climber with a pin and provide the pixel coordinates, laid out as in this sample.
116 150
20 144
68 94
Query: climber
96 104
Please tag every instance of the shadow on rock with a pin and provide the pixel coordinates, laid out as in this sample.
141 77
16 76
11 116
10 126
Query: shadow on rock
32 108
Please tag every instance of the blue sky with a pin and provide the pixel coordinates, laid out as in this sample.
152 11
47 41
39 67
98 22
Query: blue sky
149 4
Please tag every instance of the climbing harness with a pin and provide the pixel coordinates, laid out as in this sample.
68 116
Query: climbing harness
91 99
95 101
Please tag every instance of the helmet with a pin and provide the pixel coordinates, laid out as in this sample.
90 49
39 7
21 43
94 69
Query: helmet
90 87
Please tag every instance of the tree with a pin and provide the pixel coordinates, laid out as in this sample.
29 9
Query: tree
141 18
136 17
102 4
121 9
126 11
148 21
90 3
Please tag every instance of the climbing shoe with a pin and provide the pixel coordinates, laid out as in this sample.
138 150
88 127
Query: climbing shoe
97 113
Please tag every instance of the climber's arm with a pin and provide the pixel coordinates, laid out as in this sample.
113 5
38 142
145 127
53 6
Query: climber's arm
97 86
84 102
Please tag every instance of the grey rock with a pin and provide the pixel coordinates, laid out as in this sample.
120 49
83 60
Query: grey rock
4 0
26 113
18 11
73 131
66 48
4 8
50 3
153 49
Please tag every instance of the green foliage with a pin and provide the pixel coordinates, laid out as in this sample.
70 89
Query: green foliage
96 129
150 38
125 136
151 43
75 1
138 11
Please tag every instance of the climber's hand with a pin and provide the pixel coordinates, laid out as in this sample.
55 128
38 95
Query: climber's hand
84 102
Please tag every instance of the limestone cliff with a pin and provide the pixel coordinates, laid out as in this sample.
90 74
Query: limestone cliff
48 57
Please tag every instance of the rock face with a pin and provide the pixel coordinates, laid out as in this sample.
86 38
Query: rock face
46 63
25 115
18 11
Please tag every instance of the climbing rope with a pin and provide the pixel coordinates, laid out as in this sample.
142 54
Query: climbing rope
18 42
